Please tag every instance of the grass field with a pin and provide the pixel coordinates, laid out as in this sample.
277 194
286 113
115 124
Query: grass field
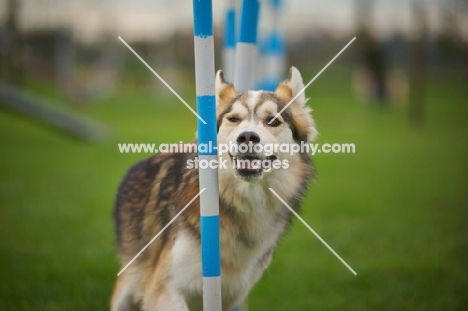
396 210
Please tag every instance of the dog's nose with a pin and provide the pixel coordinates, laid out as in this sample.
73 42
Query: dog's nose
246 137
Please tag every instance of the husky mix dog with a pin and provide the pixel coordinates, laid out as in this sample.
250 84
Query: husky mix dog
167 275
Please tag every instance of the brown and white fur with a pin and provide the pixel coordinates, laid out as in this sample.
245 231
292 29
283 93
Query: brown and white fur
167 275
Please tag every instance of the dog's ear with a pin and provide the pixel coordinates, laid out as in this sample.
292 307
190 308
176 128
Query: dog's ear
302 119
290 87
225 92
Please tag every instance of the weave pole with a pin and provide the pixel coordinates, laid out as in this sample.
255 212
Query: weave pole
207 134
229 41
246 48
273 50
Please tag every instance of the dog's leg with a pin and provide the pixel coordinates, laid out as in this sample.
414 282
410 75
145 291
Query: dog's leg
122 299
165 301
160 294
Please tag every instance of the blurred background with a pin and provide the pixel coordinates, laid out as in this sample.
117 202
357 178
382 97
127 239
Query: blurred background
396 210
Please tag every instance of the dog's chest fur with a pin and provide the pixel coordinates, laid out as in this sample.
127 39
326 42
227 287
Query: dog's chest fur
248 237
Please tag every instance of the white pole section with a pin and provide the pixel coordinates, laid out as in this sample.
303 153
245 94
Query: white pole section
207 134
246 48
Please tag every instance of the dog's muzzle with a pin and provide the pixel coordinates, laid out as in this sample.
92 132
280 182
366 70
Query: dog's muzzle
248 163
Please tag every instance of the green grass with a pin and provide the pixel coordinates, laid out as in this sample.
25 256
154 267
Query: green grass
395 210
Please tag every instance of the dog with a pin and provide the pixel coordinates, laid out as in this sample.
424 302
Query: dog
168 274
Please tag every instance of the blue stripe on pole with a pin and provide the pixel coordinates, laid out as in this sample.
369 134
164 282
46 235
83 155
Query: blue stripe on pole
268 85
249 21
210 245
276 3
230 29
203 18
275 44
206 107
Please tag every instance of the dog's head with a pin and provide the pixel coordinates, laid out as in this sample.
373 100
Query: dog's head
250 122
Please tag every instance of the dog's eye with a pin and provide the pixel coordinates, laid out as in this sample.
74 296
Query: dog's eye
233 119
275 122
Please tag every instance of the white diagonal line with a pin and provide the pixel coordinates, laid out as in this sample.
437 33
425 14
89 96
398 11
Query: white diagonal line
312 230
162 230
162 80
310 82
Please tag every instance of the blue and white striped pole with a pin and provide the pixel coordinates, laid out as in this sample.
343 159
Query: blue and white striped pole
229 43
206 108
246 48
273 51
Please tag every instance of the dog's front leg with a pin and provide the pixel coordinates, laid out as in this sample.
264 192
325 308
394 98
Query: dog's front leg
165 301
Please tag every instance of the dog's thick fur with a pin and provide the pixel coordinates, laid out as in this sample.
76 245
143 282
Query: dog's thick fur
167 275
